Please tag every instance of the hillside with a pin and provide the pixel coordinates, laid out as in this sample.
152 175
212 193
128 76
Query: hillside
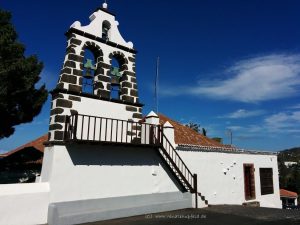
289 177
292 154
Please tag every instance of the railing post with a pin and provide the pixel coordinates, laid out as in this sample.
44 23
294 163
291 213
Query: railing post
75 126
195 190
161 136
66 133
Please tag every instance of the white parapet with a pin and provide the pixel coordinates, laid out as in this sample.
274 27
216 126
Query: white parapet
168 130
23 204
152 118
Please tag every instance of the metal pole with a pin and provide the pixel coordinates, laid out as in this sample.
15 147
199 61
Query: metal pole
196 190
156 85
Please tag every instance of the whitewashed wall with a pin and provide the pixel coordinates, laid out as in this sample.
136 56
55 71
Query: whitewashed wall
90 172
228 188
23 204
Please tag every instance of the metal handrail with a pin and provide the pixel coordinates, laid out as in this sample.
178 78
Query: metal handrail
80 127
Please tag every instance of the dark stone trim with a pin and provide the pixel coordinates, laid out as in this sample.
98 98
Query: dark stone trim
127 84
131 59
147 117
75 41
55 126
73 112
64 103
75 98
57 96
131 109
93 37
76 58
69 63
56 111
77 72
59 119
104 65
137 116
58 135
66 70
65 91
68 79
104 78
129 73
134 93
126 98
75 88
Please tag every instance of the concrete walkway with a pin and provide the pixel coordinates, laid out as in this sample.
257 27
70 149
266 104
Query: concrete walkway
215 215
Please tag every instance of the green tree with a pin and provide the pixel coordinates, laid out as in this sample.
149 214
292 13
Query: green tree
194 126
20 101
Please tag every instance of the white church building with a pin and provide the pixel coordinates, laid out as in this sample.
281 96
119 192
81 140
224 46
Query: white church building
105 160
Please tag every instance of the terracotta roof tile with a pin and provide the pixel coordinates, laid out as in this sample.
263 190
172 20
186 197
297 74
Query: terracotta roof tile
187 136
286 193
37 144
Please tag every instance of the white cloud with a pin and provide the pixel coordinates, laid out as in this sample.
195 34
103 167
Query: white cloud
284 122
242 113
279 123
252 80
297 106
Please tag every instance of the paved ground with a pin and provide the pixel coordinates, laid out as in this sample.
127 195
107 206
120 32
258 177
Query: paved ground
215 215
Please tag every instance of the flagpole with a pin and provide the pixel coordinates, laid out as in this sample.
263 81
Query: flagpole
156 85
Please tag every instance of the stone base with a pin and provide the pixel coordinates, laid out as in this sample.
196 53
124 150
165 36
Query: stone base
76 212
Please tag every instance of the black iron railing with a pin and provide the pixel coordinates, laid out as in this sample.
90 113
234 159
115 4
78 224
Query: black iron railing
177 165
80 127
84 128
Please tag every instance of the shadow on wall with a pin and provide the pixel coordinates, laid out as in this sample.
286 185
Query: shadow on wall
104 155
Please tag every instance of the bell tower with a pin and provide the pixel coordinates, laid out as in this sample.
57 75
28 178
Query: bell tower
98 75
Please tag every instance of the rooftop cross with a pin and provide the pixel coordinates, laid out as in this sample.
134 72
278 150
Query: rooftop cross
104 5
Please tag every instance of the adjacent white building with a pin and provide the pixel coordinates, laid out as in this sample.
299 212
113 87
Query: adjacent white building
104 160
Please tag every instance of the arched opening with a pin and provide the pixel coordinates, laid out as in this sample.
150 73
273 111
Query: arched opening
88 72
105 30
115 76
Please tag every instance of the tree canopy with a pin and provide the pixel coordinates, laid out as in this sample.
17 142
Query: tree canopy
20 101
194 126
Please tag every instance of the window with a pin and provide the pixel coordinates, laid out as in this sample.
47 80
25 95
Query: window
266 181
249 181
105 30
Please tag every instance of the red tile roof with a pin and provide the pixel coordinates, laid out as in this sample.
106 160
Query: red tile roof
183 136
289 194
37 144
187 136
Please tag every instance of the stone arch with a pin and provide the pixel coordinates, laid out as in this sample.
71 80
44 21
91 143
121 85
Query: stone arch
98 57
123 61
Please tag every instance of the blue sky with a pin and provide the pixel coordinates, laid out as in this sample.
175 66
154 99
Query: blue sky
223 64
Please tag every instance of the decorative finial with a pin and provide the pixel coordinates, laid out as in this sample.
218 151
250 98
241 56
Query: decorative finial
104 6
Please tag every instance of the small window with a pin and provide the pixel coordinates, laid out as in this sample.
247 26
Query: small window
105 30
266 181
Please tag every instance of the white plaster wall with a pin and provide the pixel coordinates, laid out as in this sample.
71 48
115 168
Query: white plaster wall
95 27
90 172
220 188
23 204
100 108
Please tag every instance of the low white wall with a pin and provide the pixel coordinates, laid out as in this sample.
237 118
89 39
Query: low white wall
228 188
24 204
80 172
